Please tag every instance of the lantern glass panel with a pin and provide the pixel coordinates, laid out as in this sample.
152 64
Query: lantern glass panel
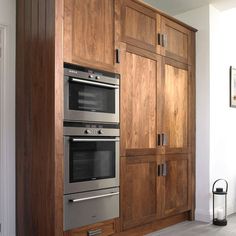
219 207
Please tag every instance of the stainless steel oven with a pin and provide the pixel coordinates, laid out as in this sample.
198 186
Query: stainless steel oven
91 157
90 95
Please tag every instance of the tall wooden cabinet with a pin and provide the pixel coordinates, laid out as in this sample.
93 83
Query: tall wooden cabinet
157 121
154 54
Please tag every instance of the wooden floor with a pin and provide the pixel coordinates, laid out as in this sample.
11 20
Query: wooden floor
195 228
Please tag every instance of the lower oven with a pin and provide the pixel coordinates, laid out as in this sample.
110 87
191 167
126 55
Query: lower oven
91 159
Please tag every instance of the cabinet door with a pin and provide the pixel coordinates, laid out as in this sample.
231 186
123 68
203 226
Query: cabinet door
89 33
175 136
138 25
138 190
176 41
138 101
177 184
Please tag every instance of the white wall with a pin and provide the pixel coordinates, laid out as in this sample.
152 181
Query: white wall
199 18
7 121
216 126
223 118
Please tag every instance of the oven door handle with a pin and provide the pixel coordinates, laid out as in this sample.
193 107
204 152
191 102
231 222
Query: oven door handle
95 140
94 83
95 197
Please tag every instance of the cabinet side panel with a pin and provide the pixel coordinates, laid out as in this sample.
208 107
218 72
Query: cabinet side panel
37 167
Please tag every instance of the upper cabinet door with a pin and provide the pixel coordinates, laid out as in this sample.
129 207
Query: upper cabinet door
175 41
176 124
138 25
89 33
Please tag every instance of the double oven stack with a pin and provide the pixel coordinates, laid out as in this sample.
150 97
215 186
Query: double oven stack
91 146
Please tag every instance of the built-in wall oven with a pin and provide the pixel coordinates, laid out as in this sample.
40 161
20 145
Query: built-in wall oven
90 95
91 157
91 146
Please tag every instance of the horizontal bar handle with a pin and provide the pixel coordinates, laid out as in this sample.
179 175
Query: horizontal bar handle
94 232
95 197
95 140
94 83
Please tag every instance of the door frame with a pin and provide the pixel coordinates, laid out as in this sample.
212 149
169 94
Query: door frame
7 132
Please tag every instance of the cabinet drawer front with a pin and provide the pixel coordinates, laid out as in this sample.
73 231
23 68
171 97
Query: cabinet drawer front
100 229
138 25
89 208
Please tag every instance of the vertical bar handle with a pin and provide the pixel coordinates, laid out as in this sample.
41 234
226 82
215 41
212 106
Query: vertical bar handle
159 143
164 166
159 38
159 170
164 40
164 139
118 56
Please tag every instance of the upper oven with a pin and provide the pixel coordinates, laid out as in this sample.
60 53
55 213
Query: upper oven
90 95
91 159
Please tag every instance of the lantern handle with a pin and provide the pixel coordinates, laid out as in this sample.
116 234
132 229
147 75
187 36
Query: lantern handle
226 184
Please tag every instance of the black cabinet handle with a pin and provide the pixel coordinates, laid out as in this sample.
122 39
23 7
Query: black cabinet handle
159 39
159 170
118 56
159 143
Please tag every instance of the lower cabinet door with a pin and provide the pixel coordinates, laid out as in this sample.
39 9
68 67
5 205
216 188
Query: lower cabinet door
177 184
138 190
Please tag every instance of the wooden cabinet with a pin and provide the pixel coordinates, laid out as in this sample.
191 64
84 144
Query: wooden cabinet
138 25
89 33
157 116
139 84
175 103
176 184
176 41
139 190
143 27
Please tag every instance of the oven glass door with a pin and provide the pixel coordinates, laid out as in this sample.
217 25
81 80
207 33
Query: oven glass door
92 163
90 97
90 101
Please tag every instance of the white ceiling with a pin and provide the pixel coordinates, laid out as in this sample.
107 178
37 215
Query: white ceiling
174 7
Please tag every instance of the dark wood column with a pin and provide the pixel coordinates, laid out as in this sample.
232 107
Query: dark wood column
39 127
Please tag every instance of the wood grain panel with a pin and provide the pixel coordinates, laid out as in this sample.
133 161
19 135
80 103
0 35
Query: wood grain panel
138 25
154 226
177 184
139 190
138 102
175 120
39 149
89 33
178 43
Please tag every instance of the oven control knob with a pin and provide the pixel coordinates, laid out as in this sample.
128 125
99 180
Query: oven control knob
88 131
97 77
100 131
90 76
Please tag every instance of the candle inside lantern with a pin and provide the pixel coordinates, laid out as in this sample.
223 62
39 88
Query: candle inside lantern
220 214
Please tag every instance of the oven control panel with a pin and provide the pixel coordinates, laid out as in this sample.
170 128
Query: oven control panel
93 131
